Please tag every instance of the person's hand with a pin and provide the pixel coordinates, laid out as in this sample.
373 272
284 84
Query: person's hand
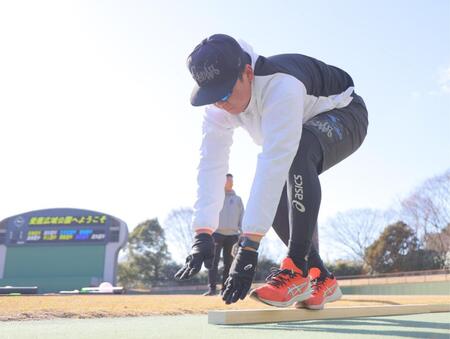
202 252
241 276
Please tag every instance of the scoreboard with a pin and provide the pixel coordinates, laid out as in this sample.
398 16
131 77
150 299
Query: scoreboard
72 246
59 227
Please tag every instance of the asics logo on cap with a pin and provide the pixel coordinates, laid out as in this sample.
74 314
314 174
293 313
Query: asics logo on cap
204 74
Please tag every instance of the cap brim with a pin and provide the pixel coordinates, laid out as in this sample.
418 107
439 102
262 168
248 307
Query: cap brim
210 94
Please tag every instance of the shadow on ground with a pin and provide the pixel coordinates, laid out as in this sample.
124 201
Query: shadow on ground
362 326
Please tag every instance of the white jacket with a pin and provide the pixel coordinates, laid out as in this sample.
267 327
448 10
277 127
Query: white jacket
285 94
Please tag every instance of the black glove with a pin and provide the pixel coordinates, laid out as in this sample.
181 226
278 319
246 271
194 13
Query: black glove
241 276
202 252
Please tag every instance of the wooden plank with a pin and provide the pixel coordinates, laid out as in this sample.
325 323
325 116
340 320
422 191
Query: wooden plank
291 314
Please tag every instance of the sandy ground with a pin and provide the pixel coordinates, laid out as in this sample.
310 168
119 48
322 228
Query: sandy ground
98 306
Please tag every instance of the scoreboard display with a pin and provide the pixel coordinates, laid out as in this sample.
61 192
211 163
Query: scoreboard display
57 228
60 249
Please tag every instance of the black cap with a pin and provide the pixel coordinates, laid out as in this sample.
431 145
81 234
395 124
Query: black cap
215 64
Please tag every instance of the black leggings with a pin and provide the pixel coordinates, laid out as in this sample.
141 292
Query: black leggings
226 243
326 139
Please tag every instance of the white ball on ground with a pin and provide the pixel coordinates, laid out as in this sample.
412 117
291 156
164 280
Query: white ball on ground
105 287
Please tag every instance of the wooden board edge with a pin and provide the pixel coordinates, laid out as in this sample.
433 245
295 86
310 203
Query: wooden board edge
232 317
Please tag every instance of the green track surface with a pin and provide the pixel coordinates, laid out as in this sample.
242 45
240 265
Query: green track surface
436 325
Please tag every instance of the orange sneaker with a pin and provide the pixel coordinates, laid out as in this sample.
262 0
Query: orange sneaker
324 291
313 274
284 286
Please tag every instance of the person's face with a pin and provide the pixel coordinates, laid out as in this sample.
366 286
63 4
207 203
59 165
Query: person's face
241 94
229 184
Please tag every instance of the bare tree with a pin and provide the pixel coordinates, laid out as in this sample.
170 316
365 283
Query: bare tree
427 209
439 242
272 247
355 230
178 228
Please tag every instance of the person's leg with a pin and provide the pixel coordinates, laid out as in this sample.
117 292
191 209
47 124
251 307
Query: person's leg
281 228
315 239
288 284
315 261
230 240
304 196
327 139
212 272
281 221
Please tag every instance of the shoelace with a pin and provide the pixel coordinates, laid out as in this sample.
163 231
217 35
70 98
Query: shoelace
318 284
276 279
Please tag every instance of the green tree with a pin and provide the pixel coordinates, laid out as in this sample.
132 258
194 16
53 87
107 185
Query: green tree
422 259
147 255
167 276
389 251
128 276
342 268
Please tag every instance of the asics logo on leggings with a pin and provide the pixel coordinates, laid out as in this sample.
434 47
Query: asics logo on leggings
298 193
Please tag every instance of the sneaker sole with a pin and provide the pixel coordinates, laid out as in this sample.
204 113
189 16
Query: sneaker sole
298 298
334 297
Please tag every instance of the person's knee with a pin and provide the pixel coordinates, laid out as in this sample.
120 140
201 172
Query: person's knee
309 153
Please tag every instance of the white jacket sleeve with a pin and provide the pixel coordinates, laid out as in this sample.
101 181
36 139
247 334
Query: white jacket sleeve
213 167
281 125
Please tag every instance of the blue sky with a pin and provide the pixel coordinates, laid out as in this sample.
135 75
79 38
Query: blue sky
94 98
